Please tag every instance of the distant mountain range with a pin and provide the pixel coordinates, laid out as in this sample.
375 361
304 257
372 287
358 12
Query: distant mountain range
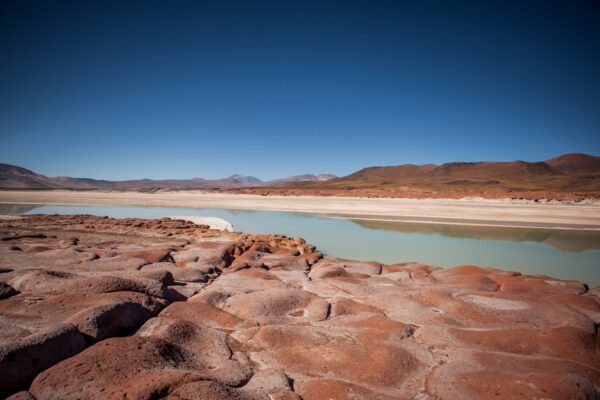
577 174
569 173
14 177
302 178
570 166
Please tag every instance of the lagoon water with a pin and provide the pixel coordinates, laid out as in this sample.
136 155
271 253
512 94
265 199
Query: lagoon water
559 253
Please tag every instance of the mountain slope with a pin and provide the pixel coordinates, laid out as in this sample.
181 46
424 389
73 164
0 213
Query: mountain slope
569 173
575 163
302 178
14 177
567 176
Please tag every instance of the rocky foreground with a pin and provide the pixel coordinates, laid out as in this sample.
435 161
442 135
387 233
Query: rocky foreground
99 308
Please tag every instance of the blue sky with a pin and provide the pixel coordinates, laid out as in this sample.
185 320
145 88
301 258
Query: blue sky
179 89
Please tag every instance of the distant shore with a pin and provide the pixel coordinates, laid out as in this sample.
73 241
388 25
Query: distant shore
440 211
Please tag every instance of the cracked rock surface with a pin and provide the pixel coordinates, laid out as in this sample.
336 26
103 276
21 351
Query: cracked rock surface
101 308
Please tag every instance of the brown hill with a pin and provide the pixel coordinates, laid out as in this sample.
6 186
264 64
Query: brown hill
570 176
575 163
567 176
383 174
493 170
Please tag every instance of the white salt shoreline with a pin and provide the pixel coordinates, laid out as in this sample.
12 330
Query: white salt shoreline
483 212
212 222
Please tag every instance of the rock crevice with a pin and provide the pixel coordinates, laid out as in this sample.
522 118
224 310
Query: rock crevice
164 308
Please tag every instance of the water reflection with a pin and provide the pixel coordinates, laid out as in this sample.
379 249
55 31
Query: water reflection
559 253
566 240
13 209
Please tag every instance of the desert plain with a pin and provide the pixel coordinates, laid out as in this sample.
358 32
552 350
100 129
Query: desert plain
467 211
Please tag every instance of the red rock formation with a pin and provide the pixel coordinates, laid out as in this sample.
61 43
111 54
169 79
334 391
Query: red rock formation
98 308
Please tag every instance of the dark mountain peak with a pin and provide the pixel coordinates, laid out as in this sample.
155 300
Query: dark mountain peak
303 178
6 169
325 177
244 178
12 176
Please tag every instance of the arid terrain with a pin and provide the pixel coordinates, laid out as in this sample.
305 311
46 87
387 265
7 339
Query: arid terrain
567 177
572 177
299 200
15 177
98 308
446 211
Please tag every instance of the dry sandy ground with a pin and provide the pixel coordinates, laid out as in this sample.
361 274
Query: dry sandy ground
470 212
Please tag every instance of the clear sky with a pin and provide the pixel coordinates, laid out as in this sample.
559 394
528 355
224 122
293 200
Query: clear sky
179 89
